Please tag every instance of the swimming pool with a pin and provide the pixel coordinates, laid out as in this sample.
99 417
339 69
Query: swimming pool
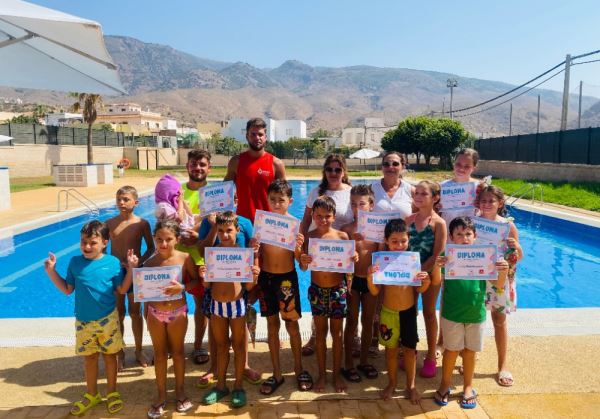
560 269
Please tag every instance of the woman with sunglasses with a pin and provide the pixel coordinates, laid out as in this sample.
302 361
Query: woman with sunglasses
391 192
335 184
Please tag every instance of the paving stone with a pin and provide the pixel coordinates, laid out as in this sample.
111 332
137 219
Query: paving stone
369 409
389 406
477 413
408 408
329 409
287 410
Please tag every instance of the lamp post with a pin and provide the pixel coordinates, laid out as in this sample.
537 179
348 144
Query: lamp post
451 83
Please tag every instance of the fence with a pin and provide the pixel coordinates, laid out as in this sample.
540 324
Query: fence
47 134
578 146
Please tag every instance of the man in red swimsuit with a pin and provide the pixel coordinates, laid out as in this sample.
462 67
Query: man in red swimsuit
254 170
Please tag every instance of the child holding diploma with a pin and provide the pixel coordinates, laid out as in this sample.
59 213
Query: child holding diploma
463 317
327 294
279 294
228 311
427 232
398 316
167 320
361 198
95 277
501 301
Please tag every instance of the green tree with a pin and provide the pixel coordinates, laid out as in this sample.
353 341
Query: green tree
321 133
40 111
23 119
88 104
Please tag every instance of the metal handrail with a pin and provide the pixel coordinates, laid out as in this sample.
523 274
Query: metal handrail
524 190
81 198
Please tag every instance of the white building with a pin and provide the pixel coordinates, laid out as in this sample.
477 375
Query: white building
60 119
277 130
367 136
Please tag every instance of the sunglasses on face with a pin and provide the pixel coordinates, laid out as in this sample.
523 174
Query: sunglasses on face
336 170
393 163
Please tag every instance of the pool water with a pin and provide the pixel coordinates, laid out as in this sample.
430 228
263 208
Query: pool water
561 267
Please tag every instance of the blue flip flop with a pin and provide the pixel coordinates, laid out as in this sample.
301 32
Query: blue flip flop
469 402
441 399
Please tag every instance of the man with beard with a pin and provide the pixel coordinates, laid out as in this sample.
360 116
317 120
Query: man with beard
254 170
198 168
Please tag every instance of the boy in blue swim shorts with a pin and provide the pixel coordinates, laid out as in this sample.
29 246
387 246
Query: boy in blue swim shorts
94 277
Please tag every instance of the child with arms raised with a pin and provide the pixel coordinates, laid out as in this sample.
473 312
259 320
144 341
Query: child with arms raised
427 235
227 311
279 294
361 198
167 320
398 316
95 277
463 317
127 231
327 293
501 301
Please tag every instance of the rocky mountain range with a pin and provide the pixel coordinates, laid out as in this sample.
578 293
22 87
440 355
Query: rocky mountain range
193 89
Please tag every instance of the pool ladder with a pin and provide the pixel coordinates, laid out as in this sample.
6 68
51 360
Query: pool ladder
81 198
533 189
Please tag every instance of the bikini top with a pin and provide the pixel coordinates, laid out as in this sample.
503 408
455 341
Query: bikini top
421 241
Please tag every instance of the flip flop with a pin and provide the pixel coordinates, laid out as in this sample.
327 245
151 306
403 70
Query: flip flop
250 380
469 402
271 384
507 377
307 350
205 382
184 405
79 408
200 356
441 399
304 378
238 398
156 410
351 375
114 403
368 371
214 395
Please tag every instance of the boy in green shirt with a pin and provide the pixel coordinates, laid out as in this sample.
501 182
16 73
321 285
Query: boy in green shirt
463 317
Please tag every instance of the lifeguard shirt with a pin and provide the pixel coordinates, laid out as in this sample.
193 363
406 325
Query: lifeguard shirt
95 282
252 181
192 197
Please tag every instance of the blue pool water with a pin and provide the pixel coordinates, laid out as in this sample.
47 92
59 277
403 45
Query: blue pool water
561 266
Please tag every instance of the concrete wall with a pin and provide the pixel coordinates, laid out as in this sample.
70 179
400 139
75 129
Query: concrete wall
151 158
29 160
539 171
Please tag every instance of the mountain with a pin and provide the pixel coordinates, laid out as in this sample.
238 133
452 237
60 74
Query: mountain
193 89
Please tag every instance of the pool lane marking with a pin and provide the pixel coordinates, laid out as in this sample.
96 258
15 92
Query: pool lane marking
35 265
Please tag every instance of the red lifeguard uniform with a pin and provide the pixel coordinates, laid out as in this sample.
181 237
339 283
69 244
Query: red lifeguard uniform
253 177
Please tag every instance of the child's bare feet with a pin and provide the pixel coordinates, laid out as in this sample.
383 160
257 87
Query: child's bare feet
120 360
339 383
413 395
388 392
141 359
319 385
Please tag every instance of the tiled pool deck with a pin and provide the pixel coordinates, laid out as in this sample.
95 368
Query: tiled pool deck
552 355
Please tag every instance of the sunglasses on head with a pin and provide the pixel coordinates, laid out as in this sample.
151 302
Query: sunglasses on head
334 170
393 163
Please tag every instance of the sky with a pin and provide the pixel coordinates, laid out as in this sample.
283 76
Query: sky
508 40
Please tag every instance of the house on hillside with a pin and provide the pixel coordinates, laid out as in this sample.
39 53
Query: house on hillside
368 136
61 119
130 118
277 130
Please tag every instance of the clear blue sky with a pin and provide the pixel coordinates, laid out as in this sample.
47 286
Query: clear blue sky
506 40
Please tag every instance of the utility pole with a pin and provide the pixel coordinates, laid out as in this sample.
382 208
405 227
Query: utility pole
451 83
538 116
579 115
510 122
565 101
444 107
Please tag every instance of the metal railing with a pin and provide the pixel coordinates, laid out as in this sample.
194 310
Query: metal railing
523 191
81 198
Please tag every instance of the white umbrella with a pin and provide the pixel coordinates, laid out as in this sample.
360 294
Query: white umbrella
364 153
5 139
41 48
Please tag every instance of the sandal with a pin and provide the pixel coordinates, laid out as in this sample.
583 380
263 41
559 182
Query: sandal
505 379
157 410
114 403
252 377
183 405
200 356
79 408
206 381
307 350
304 381
351 375
374 348
270 384
214 395
469 402
429 369
441 399
368 370
238 398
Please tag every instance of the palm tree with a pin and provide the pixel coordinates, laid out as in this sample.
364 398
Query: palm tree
88 104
